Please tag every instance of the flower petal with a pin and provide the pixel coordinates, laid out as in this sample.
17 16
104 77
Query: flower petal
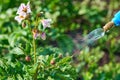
46 22
23 14
20 9
35 33
24 8
18 19
28 7
43 35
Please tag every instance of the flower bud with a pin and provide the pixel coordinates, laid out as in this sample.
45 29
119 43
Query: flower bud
40 14
27 58
60 56
52 62
23 24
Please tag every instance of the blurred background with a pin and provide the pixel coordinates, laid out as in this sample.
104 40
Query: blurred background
72 20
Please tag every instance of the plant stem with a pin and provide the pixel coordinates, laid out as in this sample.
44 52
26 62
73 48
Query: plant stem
36 72
34 49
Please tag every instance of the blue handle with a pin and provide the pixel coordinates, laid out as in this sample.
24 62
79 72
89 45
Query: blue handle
116 19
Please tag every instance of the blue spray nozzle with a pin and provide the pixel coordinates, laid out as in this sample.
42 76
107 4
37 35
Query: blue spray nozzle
116 19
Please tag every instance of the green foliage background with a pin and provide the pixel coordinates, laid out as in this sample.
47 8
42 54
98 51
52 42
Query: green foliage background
72 19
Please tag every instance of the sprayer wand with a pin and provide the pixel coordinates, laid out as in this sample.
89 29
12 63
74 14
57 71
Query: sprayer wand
115 21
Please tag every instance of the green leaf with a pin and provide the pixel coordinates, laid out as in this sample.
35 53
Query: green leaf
65 60
3 36
15 36
17 51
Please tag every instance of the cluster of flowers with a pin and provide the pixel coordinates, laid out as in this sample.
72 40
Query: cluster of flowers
23 13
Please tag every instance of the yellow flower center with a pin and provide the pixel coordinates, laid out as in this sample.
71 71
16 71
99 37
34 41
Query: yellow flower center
25 9
21 17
